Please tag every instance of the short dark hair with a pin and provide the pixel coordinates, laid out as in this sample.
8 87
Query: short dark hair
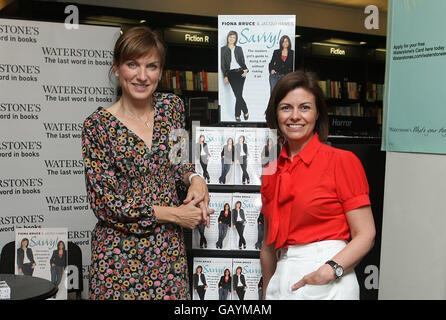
289 82
232 33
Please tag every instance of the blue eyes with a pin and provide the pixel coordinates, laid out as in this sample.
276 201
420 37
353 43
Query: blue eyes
301 107
133 65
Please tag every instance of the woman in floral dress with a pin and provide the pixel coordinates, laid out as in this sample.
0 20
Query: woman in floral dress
138 251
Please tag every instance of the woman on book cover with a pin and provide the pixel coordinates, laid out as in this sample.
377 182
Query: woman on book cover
239 283
203 155
25 258
260 288
203 240
234 72
224 224
58 263
200 285
241 156
227 159
239 222
269 153
224 285
260 230
282 61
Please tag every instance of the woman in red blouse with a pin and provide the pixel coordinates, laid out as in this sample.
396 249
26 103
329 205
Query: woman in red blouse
318 219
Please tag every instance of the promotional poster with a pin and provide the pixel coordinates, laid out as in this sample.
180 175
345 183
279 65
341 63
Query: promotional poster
213 154
255 51
43 253
416 52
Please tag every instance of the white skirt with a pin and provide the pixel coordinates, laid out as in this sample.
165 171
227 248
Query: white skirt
299 260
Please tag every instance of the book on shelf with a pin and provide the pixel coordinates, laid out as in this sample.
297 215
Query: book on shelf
240 165
209 279
333 89
224 232
189 80
355 110
374 91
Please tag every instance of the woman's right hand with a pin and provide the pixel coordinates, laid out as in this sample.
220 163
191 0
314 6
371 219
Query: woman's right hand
189 215
226 80
273 71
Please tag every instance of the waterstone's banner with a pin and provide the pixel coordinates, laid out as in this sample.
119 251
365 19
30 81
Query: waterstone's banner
51 79
254 52
414 111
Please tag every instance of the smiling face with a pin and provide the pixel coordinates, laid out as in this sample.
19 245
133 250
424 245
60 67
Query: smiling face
232 39
296 117
286 43
139 77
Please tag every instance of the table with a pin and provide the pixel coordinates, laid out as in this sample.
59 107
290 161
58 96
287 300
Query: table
28 287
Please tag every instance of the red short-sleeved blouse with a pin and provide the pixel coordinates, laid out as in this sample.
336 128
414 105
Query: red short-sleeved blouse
306 199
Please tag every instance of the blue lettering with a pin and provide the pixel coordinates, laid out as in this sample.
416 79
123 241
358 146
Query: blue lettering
269 38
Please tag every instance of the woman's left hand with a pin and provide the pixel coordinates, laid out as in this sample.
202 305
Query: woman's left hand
197 188
323 275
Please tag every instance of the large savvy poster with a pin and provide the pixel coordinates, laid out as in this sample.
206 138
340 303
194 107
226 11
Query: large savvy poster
51 78
414 111
254 52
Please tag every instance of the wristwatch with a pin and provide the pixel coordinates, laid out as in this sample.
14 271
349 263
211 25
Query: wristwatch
338 269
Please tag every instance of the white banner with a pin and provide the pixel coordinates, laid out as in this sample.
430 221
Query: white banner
51 79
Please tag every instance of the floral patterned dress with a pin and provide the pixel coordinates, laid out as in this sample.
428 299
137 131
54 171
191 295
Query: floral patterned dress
134 256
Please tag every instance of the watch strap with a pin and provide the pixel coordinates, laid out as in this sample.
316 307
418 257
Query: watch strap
193 175
335 266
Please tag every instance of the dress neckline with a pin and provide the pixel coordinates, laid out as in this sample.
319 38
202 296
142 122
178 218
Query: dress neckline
121 124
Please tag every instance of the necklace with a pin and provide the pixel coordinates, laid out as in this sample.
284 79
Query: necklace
147 123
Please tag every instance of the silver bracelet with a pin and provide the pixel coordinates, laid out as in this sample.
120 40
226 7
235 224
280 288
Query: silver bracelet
193 175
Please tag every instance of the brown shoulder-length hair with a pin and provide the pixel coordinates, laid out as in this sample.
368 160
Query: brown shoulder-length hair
136 42
289 82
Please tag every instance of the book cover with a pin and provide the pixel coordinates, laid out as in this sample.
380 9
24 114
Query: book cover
213 152
219 233
244 88
247 224
43 253
249 146
207 273
247 279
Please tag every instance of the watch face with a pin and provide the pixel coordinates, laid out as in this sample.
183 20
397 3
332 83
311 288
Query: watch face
339 271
